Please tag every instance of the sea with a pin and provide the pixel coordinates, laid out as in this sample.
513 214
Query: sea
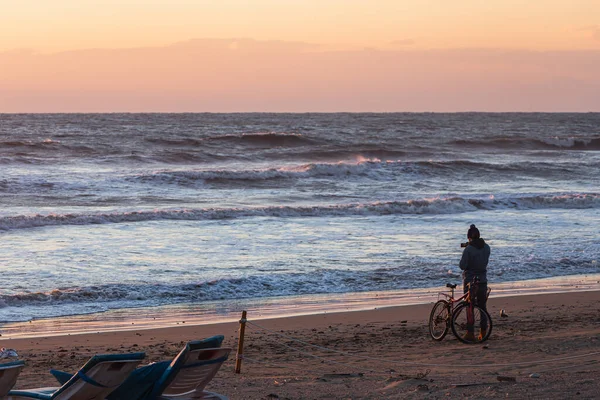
175 217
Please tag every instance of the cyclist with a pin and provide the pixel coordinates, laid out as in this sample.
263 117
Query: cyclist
474 262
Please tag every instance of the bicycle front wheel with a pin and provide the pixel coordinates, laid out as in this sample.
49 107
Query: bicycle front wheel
471 326
439 320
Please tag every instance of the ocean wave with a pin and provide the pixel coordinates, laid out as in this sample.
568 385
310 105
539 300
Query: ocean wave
550 143
438 205
263 139
42 143
261 285
41 150
352 152
176 142
371 168
574 143
360 167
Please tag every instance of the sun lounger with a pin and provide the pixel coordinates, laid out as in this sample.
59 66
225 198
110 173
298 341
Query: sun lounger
198 362
8 376
189 373
94 381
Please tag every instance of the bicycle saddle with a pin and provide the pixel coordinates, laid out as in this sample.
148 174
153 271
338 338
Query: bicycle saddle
451 286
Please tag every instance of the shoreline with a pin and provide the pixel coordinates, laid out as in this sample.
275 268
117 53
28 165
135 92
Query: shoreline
548 346
413 311
149 318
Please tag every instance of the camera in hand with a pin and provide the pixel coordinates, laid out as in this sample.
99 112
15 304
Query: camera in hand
465 244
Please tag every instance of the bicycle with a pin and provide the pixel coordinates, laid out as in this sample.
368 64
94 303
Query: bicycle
461 314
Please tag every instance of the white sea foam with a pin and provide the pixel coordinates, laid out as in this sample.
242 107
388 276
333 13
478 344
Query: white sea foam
438 205
567 142
370 168
110 296
313 170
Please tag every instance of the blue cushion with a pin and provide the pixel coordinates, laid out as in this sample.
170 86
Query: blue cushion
12 364
42 393
208 343
140 382
61 376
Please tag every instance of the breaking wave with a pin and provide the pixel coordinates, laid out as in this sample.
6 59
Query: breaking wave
312 170
361 168
97 298
439 205
371 168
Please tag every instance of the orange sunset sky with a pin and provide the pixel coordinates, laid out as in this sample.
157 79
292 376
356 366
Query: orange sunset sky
299 55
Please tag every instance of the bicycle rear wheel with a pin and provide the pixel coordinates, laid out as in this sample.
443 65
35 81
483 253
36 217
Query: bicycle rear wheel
471 328
439 320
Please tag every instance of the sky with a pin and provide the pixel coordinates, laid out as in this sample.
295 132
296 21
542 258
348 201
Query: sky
299 55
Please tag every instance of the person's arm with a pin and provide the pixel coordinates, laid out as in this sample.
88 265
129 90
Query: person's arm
464 260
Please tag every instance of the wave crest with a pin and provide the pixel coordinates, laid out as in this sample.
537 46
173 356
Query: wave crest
372 168
24 306
447 205
311 170
263 139
551 143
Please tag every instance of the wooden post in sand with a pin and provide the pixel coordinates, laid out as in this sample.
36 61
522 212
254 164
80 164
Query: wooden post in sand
240 350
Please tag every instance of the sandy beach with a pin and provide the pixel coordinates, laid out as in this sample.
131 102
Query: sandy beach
548 346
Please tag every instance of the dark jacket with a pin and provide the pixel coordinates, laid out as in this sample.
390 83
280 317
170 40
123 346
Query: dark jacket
474 260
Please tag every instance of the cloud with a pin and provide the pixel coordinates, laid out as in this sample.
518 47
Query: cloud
222 75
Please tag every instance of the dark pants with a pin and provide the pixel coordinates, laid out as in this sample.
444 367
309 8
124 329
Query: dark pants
480 300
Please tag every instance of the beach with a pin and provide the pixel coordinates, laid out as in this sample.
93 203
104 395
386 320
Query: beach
547 346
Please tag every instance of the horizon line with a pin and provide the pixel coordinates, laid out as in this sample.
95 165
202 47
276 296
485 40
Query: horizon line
297 112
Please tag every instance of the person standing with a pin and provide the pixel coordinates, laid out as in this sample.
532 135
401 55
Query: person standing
473 263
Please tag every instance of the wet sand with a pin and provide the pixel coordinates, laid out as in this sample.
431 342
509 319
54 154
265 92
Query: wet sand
548 346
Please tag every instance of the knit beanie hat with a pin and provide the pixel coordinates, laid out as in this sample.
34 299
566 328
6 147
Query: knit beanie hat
473 232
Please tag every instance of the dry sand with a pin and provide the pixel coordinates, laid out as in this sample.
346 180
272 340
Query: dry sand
559 334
